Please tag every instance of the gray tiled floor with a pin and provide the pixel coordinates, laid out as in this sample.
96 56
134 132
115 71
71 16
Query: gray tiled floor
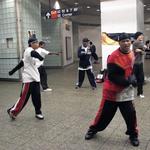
68 113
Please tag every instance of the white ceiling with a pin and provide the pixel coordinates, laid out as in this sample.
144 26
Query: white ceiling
87 15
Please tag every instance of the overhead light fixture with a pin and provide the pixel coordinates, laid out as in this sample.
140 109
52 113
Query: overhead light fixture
88 7
57 5
97 9
76 3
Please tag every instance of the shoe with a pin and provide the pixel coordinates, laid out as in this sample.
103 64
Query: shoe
77 87
47 90
93 88
134 141
141 96
127 132
90 134
39 116
11 115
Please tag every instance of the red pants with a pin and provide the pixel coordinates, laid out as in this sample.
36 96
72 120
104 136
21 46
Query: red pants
28 89
107 111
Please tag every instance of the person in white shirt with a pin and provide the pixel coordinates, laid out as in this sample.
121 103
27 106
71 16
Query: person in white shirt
40 65
31 82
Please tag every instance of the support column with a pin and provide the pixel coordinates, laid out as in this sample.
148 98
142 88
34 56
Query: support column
120 16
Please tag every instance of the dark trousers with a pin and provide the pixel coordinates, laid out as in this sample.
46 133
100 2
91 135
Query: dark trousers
107 111
43 77
90 77
28 89
139 73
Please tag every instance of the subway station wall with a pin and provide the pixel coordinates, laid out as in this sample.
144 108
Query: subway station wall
8 38
51 34
14 32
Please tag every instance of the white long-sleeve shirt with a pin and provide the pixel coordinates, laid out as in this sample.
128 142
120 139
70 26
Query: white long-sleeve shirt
43 53
30 72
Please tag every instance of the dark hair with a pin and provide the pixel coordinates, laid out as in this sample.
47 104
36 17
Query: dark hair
85 40
91 43
147 42
41 42
32 39
137 34
124 36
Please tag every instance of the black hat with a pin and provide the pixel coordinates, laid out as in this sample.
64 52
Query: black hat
123 36
137 34
32 39
85 40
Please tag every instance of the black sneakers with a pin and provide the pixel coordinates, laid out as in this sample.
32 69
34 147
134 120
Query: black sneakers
90 134
77 87
134 141
93 88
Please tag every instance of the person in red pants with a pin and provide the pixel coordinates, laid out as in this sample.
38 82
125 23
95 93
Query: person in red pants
40 65
31 82
118 92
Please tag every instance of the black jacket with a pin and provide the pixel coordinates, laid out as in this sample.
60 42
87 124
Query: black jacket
84 57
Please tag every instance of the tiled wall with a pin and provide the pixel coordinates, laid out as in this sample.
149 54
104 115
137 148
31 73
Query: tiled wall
12 47
52 36
8 38
30 19
75 40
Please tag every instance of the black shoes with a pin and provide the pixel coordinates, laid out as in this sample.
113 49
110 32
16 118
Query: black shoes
77 87
127 132
93 88
134 141
90 134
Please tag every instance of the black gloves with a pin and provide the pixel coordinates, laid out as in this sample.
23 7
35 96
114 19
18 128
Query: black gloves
10 72
132 80
17 67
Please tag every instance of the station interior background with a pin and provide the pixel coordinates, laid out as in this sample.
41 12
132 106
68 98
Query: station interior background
19 17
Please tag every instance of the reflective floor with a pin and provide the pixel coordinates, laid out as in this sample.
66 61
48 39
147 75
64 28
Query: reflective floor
68 113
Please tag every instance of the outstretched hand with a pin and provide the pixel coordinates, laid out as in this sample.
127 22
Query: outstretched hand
59 53
53 53
10 73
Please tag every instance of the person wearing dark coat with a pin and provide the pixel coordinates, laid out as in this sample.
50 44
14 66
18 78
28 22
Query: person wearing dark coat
85 65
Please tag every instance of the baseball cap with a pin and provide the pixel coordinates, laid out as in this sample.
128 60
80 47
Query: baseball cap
85 40
123 36
32 39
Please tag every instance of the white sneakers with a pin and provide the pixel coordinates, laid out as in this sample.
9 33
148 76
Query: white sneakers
11 115
47 90
39 116
141 96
